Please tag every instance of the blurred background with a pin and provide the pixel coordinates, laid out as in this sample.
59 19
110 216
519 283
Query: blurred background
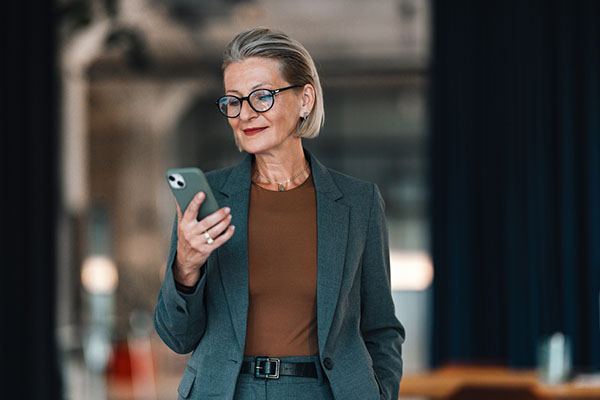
479 121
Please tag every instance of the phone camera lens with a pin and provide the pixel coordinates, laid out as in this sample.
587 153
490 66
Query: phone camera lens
180 183
171 178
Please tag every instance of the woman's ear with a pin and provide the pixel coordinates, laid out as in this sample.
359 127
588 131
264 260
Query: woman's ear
308 100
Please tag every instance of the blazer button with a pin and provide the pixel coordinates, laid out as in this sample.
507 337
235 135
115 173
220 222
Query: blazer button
328 362
179 308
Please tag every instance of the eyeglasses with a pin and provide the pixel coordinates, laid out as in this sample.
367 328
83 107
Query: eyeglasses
261 100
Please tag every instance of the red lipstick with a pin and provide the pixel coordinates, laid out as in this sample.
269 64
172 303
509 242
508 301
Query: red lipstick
253 131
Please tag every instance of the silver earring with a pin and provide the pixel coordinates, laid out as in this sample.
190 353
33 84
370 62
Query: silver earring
301 125
302 121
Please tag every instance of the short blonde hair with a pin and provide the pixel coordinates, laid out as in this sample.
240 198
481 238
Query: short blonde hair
297 67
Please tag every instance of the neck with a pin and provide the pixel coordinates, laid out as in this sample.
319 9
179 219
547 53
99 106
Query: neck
271 169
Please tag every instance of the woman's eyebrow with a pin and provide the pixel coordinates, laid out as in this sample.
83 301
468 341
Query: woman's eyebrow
257 86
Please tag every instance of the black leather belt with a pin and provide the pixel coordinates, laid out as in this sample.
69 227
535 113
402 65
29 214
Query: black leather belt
273 368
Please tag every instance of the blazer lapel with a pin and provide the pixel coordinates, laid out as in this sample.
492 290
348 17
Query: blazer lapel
332 231
233 255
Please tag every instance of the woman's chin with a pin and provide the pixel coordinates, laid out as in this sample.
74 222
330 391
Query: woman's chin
254 147
249 148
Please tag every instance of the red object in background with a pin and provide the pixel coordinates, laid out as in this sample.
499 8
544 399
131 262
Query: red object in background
118 372
130 371
119 364
142 369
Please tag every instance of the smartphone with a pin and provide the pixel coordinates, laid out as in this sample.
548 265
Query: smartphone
185 183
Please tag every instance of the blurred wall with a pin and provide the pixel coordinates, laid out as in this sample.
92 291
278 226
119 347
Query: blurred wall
140 82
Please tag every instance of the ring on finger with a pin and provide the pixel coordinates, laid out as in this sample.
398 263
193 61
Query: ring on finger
209 240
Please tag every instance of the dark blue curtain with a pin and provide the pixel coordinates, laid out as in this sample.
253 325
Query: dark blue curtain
515 179
28 166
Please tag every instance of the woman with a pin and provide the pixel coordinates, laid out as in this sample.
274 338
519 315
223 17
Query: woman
296 303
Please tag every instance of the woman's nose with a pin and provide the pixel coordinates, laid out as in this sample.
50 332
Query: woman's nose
247 112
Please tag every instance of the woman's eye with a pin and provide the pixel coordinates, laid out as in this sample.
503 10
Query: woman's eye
262 96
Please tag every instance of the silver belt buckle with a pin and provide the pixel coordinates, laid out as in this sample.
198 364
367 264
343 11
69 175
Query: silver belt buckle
267 366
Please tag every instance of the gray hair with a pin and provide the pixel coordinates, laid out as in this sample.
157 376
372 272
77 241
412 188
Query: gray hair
297 67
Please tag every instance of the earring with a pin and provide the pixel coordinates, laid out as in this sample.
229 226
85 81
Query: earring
302 121
301 126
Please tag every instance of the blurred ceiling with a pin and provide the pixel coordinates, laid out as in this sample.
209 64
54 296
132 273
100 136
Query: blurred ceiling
392 33
380 29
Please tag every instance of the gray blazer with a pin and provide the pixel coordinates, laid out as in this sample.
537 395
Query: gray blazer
359 336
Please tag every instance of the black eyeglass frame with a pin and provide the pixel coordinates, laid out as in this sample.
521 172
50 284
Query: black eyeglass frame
247 98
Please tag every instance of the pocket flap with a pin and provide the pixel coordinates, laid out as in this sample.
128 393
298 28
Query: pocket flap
185 387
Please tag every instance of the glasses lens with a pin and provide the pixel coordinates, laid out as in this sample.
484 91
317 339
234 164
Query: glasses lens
261 100
229 106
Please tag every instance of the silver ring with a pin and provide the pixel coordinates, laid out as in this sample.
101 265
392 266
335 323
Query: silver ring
209 240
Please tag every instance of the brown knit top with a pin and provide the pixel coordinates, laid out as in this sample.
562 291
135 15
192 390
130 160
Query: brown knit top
282 258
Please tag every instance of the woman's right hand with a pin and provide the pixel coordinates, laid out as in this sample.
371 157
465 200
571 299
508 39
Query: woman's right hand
193 248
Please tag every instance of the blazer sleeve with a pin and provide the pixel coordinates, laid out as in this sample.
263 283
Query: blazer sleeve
382 332
180 318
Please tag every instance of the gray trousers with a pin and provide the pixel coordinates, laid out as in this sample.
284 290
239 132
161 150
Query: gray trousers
286 387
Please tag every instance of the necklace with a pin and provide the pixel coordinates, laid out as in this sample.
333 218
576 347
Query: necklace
281 185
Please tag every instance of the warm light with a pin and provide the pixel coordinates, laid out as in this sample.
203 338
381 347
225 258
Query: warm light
99 275
411 270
